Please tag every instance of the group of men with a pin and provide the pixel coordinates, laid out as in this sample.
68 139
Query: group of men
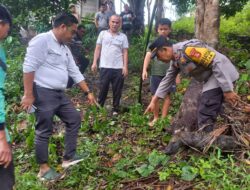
49 64
106 11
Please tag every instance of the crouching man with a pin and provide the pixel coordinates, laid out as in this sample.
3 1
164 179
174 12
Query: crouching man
196 59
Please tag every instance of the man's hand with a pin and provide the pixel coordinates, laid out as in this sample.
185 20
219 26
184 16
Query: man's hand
94 67
5 151
178 79
151 106
144 75
125 71
231 97
92 100
27 102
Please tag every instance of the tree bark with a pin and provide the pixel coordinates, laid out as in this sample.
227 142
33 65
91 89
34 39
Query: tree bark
186 118
207 21
159 11
149 10
138 9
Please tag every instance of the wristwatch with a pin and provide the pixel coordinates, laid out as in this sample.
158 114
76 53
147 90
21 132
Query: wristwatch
87 92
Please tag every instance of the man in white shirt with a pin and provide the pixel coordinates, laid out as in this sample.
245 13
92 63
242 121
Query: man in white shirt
48 64
112 45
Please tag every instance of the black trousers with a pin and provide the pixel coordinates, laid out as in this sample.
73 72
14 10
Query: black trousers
7 177
209 108
115 77
50 103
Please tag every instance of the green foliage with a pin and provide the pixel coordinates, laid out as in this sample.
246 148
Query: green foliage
36 13
227 7
154 159
241 86
136 52
238 24
184 24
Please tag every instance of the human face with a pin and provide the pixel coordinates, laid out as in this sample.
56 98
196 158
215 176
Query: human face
4 30
114 23
80 32
73 9
68 32
164 30
103 8
165 54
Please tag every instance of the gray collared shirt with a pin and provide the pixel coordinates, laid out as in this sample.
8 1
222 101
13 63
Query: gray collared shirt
51 61
224 72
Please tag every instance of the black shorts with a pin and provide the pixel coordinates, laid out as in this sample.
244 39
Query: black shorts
155 81
7 177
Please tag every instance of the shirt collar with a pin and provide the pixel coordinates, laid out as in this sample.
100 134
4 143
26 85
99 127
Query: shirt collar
54 37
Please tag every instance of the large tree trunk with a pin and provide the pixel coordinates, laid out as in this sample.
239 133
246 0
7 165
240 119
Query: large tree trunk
149 10
186 118
159 11
138 9
207 21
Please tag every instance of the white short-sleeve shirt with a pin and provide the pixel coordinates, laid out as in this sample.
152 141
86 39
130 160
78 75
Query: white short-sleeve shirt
112 47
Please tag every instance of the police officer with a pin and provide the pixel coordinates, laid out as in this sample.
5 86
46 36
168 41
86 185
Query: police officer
196 59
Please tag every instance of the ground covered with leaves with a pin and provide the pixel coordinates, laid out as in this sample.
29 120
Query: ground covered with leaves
123 152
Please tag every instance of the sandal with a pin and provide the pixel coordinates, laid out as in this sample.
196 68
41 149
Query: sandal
51 175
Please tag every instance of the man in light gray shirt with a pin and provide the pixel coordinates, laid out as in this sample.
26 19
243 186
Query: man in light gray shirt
47 65
102 18
113 48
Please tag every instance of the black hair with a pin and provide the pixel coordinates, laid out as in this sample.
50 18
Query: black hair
5 15
164 21
80 26
103 4
64 18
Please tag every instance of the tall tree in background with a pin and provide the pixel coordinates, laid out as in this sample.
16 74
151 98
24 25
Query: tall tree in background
137 6
149 2
159 10
208 13
207 21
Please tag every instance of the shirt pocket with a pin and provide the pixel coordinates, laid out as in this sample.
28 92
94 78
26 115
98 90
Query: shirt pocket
54 57
117 43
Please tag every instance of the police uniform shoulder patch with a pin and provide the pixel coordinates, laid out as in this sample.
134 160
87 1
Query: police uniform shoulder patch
200 55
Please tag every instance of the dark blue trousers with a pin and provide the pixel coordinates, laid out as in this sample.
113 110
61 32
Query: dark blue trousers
49 103
209 108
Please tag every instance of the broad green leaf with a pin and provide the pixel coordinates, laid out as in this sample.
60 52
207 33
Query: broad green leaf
189 173
145 170
156 159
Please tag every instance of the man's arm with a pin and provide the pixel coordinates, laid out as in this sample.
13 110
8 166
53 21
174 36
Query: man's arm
5 151
28 98
96 20
96 57
35 57
84 87
145 65
221 74
163 88
125 62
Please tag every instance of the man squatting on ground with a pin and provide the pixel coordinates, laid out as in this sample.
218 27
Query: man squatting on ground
47 65
196 59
